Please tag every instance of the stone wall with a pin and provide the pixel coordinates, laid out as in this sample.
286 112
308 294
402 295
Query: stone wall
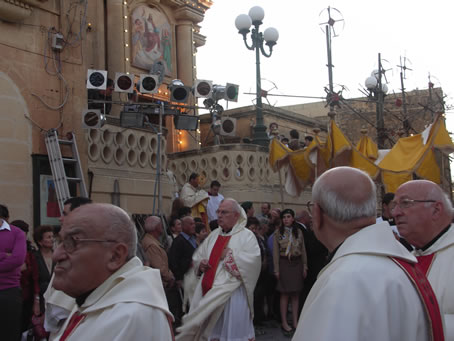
129 156
16 147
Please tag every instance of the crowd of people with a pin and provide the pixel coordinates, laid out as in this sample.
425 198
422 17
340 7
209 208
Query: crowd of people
217 270
294 142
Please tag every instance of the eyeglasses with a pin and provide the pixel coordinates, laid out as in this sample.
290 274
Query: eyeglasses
70 243
219 212
406 203
309 206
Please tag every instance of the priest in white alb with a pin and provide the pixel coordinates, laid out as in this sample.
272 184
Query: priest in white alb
228 263
195 197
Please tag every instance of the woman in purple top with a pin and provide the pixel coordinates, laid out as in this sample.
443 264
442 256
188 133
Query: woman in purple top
12 256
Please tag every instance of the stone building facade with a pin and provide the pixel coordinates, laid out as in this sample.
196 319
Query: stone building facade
47 47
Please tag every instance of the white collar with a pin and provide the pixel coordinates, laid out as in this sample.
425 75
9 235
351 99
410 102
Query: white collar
5 226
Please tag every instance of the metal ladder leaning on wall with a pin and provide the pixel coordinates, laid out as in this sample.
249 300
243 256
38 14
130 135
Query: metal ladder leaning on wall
57 165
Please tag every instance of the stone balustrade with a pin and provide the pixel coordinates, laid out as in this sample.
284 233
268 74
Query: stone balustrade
242 169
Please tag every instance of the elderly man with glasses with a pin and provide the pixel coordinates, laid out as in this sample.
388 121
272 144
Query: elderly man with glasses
117 298
228 264
371 288
423 214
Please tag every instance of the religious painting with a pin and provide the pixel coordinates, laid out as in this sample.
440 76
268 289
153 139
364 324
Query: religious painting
151 39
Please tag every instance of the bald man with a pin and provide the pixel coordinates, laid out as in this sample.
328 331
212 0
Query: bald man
423 214
117 298
363 293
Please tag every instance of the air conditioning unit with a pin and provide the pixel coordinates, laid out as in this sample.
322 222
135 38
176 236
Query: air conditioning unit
96 79
124 82
228 126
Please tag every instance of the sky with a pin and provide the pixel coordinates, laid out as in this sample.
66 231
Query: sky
421 32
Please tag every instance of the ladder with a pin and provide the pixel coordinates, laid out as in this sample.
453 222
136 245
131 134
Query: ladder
57 165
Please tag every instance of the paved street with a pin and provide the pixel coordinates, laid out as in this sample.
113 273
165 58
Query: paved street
272 331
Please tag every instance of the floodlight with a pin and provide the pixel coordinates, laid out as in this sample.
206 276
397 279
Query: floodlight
131 119
186 122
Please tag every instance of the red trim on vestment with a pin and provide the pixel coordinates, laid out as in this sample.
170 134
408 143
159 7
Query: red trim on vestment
215 256
75 320
425 262
422 286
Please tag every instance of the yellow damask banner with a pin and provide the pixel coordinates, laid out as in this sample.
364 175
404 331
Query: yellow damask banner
410 155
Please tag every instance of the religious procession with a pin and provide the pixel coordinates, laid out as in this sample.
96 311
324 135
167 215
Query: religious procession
227 271
136 205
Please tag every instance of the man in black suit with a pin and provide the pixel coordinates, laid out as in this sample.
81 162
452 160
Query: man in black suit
316 253
180 260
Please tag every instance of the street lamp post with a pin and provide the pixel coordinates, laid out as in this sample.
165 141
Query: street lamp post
243 22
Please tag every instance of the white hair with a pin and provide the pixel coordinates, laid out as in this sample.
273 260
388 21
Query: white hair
235 205
436 193
339 206
122 229
151 223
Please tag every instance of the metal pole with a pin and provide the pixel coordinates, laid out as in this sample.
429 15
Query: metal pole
404 103
161 113
259 137
330 65
380 99
281 189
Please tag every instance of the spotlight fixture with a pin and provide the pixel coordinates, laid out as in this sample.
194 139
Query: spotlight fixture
203 88
231 92
124 82
149 84
93 119
96 79
178 91
228 126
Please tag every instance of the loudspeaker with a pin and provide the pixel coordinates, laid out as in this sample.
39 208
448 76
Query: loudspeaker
92 119
228 126
186 122
149 84
96 79
203 88
124 82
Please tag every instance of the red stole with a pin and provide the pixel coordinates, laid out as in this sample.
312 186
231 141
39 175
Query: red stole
75 320
215 256
424 262
427 296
